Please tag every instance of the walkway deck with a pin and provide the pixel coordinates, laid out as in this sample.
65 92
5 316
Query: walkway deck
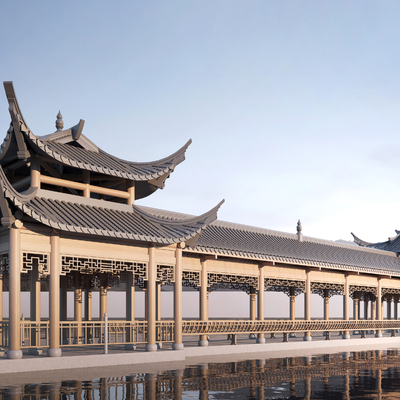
87 363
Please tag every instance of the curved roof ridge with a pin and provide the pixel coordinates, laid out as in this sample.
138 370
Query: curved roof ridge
206 218
180 154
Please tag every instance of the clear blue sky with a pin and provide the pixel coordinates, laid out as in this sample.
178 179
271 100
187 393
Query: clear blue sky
293 106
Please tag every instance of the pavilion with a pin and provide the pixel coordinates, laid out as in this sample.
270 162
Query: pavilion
69 223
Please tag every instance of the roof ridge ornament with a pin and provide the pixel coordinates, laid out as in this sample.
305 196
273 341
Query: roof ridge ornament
59 122
299 229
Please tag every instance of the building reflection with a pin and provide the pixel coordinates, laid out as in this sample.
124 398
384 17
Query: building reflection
369 374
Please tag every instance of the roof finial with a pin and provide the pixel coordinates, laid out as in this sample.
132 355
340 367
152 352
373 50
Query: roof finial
59 122
299 228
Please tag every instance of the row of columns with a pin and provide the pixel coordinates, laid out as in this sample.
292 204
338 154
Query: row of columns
152 298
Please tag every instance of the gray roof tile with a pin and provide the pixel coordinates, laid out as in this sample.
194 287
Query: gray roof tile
230 239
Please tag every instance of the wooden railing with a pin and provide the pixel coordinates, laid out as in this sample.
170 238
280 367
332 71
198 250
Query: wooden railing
271 326
74 333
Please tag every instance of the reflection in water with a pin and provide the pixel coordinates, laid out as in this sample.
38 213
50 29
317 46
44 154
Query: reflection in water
355 375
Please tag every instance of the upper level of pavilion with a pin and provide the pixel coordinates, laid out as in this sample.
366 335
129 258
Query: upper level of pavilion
68 161
64 181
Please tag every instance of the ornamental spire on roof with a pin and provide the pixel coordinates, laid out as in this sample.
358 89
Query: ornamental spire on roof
59 122
299 229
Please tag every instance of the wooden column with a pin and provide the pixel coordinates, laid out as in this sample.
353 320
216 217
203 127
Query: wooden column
373 308
63 305
203 298
130 188
158 301
54 297
346 297
326 310
366 307
326 304
356 304
151 300
396 309
88 302
178 345
130 308
388 308
15 351
86 180
252 296
292 316
379 306
103 300
260 298
35 309
78 314
307 304
35 172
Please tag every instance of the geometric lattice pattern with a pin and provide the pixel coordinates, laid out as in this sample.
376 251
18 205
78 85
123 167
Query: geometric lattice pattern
31 259
284 285
361 291
332 289
191 279
390 291
93 265
165 274
4 262
233 282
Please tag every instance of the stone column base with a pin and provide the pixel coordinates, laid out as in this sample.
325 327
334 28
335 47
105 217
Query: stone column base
261 340
14 354
54 352
151 347
177 346
307 338
378 334
203 343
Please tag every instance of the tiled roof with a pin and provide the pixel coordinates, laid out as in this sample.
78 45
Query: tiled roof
104 163
393 244
90 216
229 239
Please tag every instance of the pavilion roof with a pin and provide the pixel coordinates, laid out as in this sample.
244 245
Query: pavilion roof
95 217
392 244
236 240
71 148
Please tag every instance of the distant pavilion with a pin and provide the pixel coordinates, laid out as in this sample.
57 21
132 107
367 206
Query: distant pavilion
69 222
